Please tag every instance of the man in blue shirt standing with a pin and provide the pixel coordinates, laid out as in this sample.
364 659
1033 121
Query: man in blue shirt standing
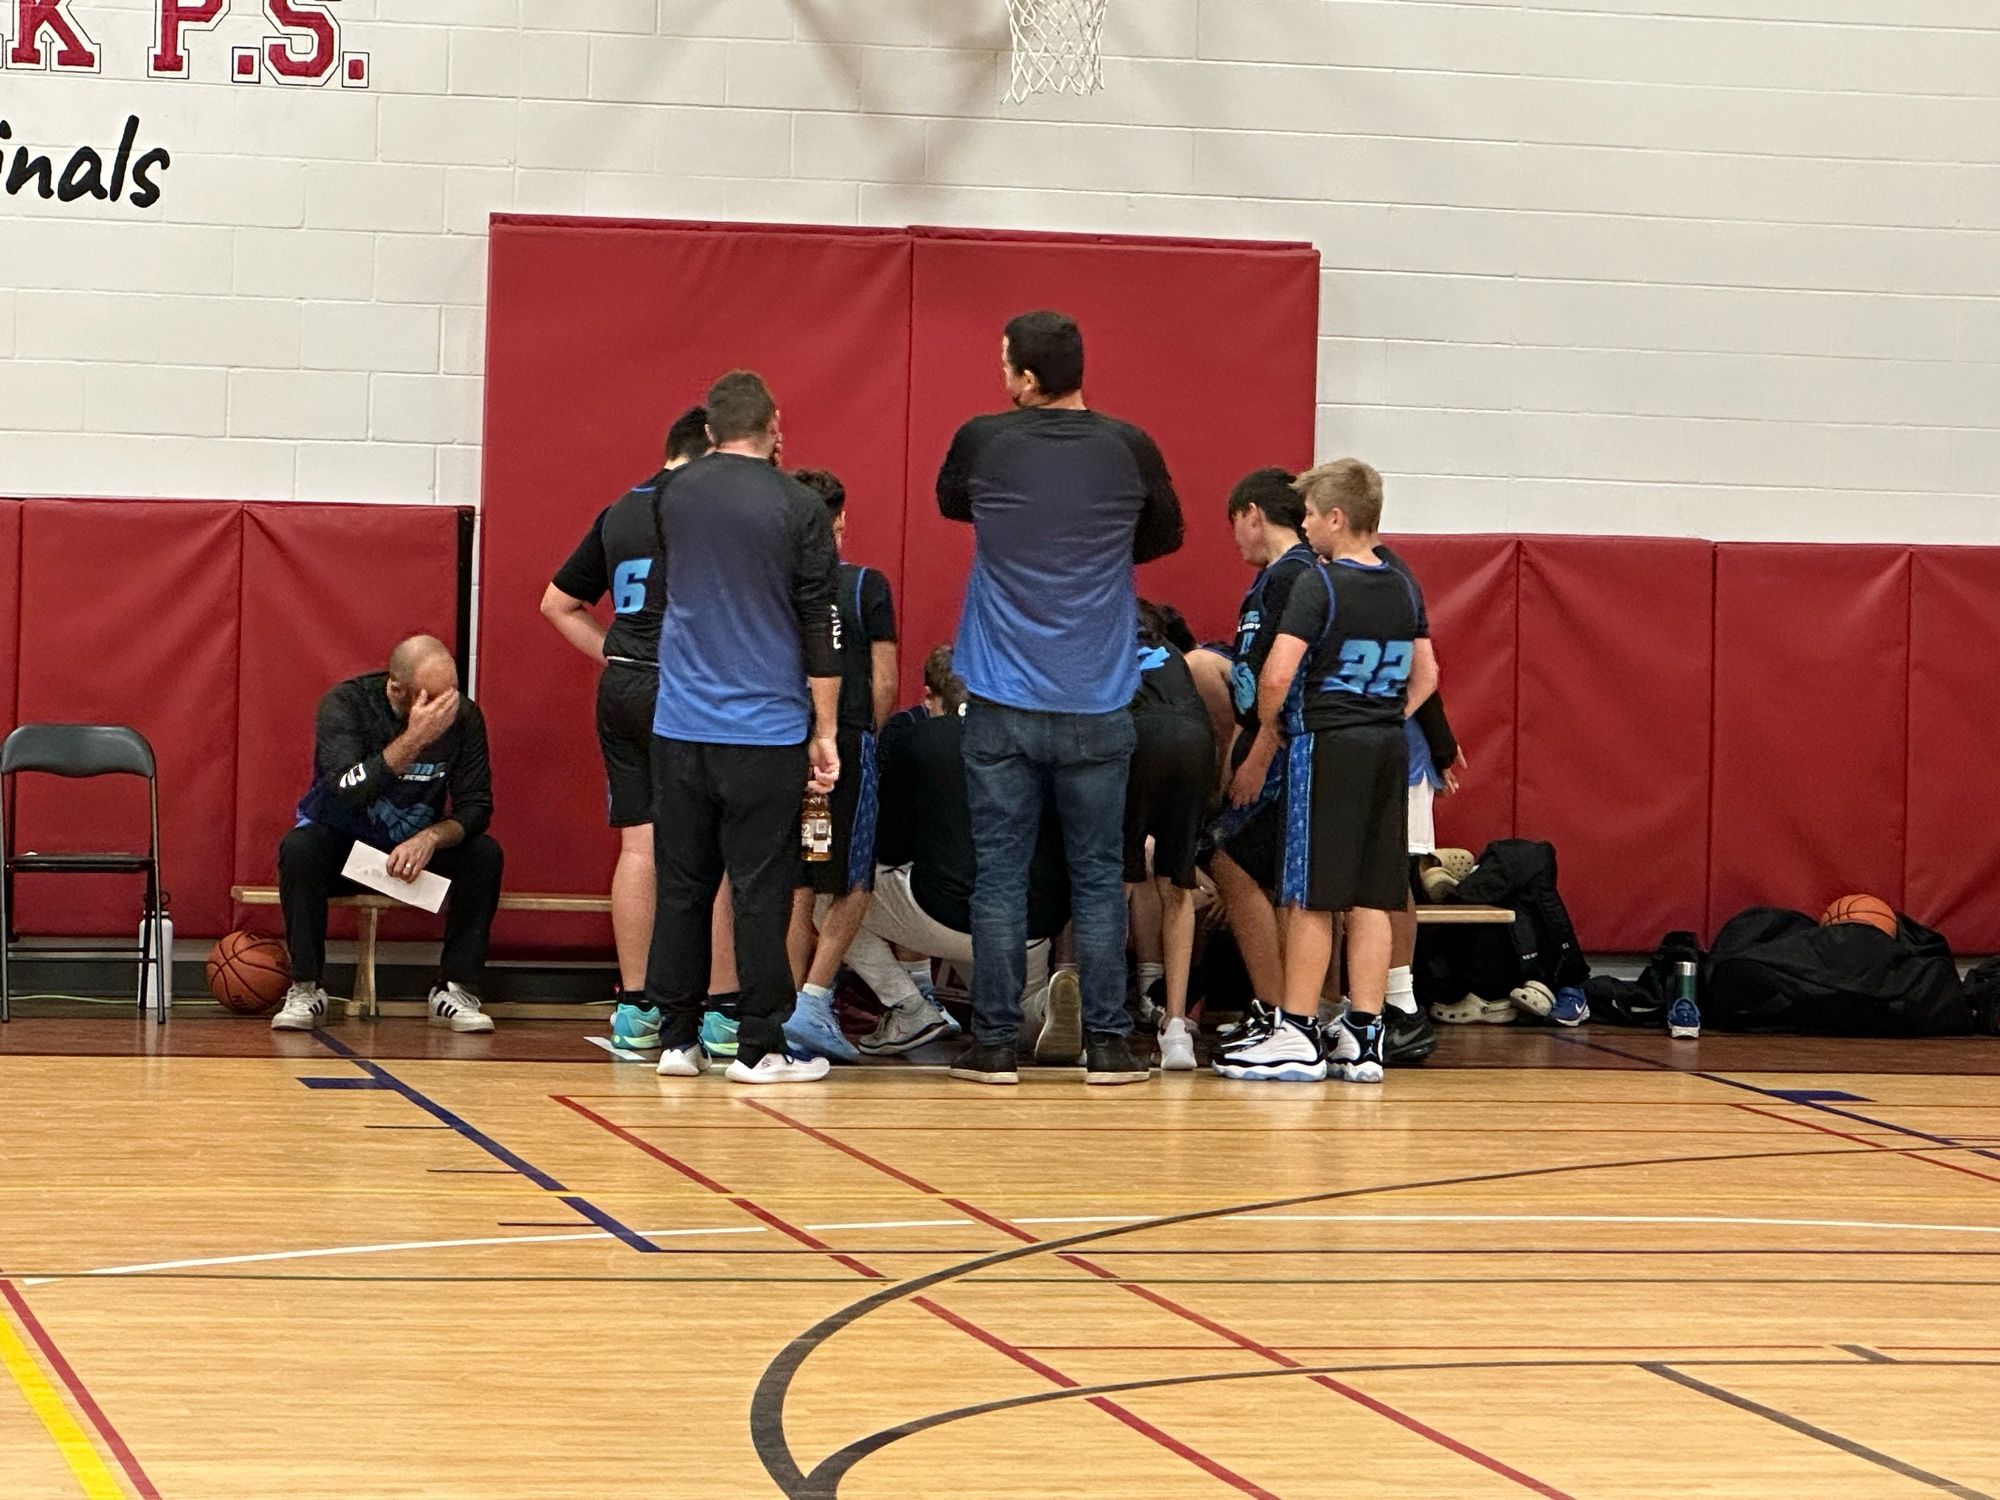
1063 501
749 695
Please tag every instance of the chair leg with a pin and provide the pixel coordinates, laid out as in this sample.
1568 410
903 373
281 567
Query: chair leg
364 965
6 936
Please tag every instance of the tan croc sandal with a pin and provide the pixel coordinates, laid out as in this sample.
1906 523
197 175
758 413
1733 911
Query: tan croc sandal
1459 863
1536 998
1473 1011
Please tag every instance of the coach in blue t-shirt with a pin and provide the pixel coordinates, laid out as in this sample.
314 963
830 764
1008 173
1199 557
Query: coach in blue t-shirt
1063 501
749 691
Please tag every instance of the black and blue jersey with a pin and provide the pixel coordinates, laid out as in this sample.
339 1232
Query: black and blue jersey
750 572
354 791
1363 621
616 557
1257 627
867 615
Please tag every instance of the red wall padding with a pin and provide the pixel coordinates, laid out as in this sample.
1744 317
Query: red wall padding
365 577
1953 854
1613 730
212 628
1812 670
1209 347
10 608
599 334
128 616
1470 592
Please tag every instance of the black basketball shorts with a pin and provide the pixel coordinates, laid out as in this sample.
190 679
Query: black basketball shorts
1167 797
625 697
1346 820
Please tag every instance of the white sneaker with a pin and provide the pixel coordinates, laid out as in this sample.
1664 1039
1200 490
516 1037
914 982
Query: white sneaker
456 1006
1355 1052
1176 1047
779 1067
682 1062
304 1009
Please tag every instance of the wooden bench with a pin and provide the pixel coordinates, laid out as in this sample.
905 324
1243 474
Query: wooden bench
371 906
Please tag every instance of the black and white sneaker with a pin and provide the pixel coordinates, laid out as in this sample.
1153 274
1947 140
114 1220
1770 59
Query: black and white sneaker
1109 1059
986 1062
1290 1051
456 1006
304 1009
1257 1018
1355 1052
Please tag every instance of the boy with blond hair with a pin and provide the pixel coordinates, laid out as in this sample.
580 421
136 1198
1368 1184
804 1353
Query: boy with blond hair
1357 627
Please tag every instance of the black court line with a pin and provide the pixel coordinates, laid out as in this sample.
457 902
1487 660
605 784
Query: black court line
1791 1097
1862 1351
1818 1434
767 1407
827 1476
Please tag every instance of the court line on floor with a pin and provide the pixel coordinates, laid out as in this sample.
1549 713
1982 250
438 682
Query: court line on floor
774 1385
384 1079
401 1246
1403 1419
77 1450
836 1466
1818 1434
1909 1153
1130 1419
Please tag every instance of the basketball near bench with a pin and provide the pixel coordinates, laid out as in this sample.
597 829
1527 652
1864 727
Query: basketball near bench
247 973
1872 911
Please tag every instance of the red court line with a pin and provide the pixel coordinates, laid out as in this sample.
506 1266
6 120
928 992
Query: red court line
79 1392
993 1341
1381 1408
839 1145
1915 1153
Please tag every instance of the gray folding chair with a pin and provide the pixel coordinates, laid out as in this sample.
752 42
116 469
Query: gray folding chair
77 751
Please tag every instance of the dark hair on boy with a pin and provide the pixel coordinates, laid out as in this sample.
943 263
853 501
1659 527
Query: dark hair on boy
740 406
688 437
825 484
1270 490
941 682
1164 622
1048 346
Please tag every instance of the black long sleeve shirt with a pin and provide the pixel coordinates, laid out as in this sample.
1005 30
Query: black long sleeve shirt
353 789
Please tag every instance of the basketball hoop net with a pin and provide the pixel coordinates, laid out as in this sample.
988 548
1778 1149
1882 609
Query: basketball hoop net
1056 47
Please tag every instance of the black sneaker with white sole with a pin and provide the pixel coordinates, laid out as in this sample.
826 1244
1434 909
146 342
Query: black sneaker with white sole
1108 1058
987 1062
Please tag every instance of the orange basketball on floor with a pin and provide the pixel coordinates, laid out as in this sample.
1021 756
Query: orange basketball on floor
248 974
1871 910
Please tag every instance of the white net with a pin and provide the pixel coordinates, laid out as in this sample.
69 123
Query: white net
1056 47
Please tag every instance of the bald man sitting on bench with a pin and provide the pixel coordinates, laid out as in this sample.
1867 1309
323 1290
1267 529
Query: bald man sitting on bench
399 764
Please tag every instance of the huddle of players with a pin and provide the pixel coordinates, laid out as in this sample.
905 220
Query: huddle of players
1331 659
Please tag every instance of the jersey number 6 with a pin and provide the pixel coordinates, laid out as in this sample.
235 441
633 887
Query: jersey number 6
628 585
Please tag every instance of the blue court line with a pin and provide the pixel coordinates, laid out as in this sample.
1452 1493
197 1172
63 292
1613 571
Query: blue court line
1818 1434
1817 1096
610 1225
380 1077
1805 1098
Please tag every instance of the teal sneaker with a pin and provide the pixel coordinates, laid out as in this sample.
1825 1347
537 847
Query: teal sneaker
636 1028
718 1034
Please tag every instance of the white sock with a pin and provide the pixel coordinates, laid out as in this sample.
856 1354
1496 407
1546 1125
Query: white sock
1402 990
1149 975
819 992
920 975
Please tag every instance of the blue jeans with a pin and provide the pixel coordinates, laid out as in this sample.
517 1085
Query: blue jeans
1014 761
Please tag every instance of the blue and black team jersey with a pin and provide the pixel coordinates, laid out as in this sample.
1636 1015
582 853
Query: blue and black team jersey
1063 502
750 572
616 558
1165 684
1366 620
1433 747
1257 626
867 615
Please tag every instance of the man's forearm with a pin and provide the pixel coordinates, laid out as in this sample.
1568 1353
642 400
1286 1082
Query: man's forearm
826 706
448 832
574 622
400 752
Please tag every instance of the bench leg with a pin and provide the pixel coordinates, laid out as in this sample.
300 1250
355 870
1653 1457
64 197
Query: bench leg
364 965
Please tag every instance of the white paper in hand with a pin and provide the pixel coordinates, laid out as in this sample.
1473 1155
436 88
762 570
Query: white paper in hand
370 867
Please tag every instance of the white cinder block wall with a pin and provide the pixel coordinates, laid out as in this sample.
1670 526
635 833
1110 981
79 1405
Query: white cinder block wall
1733 271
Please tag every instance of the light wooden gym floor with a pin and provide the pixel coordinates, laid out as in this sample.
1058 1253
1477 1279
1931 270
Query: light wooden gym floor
401 1263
